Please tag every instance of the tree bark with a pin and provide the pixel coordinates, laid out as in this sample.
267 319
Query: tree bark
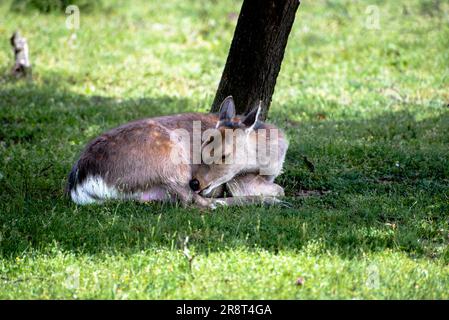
256 54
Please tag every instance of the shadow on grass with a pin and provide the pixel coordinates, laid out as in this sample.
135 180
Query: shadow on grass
386 179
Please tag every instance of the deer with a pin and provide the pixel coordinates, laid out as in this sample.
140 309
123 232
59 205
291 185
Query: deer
151 160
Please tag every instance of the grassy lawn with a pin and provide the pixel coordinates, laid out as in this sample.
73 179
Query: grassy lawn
366 111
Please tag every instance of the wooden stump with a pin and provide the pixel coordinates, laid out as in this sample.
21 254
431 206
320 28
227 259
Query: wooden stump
22 66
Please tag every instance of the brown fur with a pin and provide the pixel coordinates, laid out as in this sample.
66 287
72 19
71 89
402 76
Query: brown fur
135 159
136 155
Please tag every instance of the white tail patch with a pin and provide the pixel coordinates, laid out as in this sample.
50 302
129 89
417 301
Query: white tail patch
93 190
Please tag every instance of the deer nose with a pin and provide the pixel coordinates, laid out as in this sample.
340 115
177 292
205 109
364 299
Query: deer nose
194 184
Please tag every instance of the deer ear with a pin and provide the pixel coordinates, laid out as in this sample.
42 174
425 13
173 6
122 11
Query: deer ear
227 109
251 118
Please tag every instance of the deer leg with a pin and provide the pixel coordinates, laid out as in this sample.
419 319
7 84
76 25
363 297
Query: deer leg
253 189
247 189
253 185
187 197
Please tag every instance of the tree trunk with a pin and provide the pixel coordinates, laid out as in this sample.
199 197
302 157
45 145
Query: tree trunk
256 54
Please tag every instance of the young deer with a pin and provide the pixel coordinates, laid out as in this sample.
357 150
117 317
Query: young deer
239 161
136 162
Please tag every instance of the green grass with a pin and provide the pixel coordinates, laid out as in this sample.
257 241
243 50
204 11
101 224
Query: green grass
367 107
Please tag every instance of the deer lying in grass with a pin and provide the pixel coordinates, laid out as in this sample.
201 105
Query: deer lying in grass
151 160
